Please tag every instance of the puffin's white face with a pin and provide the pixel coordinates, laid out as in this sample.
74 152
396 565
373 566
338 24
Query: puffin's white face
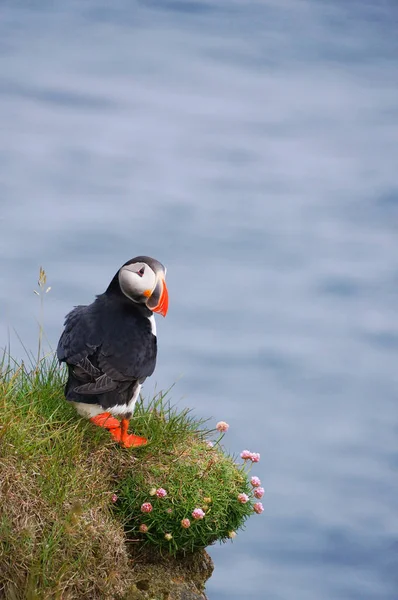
140 283
136 279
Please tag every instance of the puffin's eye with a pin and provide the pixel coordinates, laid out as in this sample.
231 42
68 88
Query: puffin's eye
141 271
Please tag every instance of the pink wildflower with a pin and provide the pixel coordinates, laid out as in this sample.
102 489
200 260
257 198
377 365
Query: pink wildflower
255 481
161 493
143 528
185 523
246 455
243 498
210 443
258 508
169 510
198 513
222 426
146 507
114 498
259 492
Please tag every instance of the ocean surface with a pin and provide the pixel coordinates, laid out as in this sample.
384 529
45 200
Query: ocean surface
252 147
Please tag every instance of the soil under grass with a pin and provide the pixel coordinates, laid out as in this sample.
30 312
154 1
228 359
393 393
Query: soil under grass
70 510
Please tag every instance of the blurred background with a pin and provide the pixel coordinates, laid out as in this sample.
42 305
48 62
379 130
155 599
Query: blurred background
251 146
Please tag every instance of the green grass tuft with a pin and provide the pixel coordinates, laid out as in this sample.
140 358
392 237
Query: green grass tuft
194 475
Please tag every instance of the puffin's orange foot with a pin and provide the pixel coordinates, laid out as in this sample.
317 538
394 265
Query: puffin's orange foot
127 440
133 441
106 420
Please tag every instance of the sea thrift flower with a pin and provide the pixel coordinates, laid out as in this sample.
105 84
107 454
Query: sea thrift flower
114 498
259 492
185 523
198 513
169 510
255 481
246 455
258 508
210 443
161 493
146 507
222 426
232 534
143 528
243 498
168 536
152 491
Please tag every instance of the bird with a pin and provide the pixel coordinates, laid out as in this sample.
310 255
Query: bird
110 347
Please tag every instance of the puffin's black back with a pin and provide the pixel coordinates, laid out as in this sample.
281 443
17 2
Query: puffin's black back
109 348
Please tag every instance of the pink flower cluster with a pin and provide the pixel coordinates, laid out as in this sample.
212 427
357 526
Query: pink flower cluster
146 507
253 456
255 481
243 498
185 523
222 426
258 492
258 508
198 513
161 493
143 528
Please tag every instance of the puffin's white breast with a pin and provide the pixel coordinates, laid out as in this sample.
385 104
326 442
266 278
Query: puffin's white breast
153 324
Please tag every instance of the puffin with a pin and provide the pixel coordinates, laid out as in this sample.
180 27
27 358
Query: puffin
110 347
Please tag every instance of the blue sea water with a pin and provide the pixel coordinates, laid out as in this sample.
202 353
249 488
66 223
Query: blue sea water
251 146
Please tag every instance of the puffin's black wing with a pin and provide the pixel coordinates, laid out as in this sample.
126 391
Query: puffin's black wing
80 338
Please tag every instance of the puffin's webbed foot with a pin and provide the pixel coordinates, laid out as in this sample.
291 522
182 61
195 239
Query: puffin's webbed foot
106 421
125 439
119 430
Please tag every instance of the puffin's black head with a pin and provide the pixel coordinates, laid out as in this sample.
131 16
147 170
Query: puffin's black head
142 280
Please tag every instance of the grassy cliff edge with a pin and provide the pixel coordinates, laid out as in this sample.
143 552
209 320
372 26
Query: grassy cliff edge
80 516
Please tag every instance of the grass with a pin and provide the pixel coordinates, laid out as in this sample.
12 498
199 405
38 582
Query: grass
58 532
70 511
194 476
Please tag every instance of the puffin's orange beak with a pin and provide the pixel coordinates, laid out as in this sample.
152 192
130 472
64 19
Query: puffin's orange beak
159 300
